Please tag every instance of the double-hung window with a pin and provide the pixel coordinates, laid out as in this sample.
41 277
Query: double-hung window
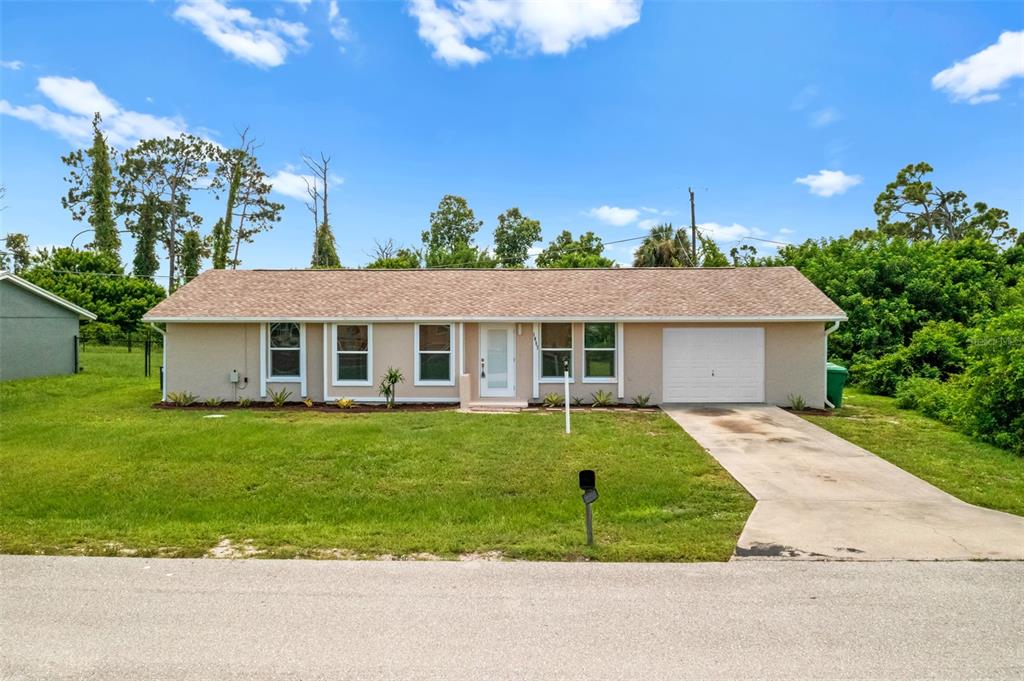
434 354
285 351
599 352
555 350
352 354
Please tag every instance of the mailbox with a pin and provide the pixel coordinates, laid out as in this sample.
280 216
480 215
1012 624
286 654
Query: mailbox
588 480
588 483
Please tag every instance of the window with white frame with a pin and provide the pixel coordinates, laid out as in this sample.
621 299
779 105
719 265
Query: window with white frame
555 350
599 351
285 350
352 354
434 354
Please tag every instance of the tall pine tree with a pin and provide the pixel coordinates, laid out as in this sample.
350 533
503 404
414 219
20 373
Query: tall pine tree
146 234
91 177
192 253
325 251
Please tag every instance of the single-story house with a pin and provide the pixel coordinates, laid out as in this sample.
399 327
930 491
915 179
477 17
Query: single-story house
474 337
38 330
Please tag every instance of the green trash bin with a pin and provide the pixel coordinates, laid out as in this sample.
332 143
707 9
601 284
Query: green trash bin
836 380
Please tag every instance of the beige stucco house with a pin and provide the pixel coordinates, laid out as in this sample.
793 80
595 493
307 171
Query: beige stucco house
500 337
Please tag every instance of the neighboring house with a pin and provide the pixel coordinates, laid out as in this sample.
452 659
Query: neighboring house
500 336
38 330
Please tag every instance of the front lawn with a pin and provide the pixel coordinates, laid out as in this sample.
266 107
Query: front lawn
87 466
968 469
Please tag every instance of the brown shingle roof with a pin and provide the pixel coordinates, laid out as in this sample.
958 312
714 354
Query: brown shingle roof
627 293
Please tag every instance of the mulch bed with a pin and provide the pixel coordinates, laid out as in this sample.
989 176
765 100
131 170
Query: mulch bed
810 412
317 406
372 408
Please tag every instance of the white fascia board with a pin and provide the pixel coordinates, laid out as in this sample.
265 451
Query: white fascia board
453 320
43 293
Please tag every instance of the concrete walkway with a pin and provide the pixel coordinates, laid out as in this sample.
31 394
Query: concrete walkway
135 618
821 497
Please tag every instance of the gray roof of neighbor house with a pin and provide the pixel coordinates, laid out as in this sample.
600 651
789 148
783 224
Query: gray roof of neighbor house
680 294
43 293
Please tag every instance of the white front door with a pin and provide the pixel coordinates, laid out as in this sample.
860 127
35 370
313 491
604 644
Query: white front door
497 360
707 364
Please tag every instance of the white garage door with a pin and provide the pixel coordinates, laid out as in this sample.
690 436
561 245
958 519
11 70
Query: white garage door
713 365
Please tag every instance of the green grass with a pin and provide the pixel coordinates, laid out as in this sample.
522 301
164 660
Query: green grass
968 469
88 467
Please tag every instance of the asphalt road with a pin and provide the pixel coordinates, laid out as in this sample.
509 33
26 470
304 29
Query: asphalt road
121 618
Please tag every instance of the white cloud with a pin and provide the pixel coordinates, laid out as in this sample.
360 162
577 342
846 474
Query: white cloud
338 24
613 215
823 117
974 79
75 129
263 42
80 99
804 98
829 182
77 96
724 233
729 236
292 184
13 65
302 4
524 26
647 223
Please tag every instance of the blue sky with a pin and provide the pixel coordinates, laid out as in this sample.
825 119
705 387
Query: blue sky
597 116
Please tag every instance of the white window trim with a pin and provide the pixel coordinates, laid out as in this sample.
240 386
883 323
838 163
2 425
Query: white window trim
615 349
266 353
620 358
334 355
540 355
451 354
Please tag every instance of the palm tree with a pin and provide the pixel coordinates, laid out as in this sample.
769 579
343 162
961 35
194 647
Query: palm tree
664 247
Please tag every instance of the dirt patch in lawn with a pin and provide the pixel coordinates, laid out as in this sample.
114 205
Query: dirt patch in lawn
225 548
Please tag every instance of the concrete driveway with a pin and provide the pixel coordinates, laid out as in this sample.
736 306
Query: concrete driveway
821 497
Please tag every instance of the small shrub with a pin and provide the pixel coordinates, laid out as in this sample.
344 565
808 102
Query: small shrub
308 402
931 397
279 397
642 400
553 400
213 402
391 378
245 402
181 399
577 401
602 398
345 403
797 402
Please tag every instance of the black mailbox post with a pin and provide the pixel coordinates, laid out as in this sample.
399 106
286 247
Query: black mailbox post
588 483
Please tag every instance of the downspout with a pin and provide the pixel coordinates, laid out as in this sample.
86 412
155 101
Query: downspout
163 363
828 331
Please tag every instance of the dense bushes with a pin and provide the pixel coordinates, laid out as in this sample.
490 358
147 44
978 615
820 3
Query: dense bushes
98 283
938 324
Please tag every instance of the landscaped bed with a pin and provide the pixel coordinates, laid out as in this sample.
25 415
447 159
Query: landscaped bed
974 471
88 467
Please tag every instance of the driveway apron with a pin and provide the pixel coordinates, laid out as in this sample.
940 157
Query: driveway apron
821 497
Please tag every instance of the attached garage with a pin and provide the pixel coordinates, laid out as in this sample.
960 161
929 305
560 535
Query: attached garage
713 364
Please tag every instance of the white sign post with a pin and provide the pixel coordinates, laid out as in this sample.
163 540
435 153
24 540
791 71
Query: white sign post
566 375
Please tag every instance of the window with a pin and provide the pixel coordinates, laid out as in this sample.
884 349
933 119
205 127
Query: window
285 350
352 354
434 354
555 350
599 352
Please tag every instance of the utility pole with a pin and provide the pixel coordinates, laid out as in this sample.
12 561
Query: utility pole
693 229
